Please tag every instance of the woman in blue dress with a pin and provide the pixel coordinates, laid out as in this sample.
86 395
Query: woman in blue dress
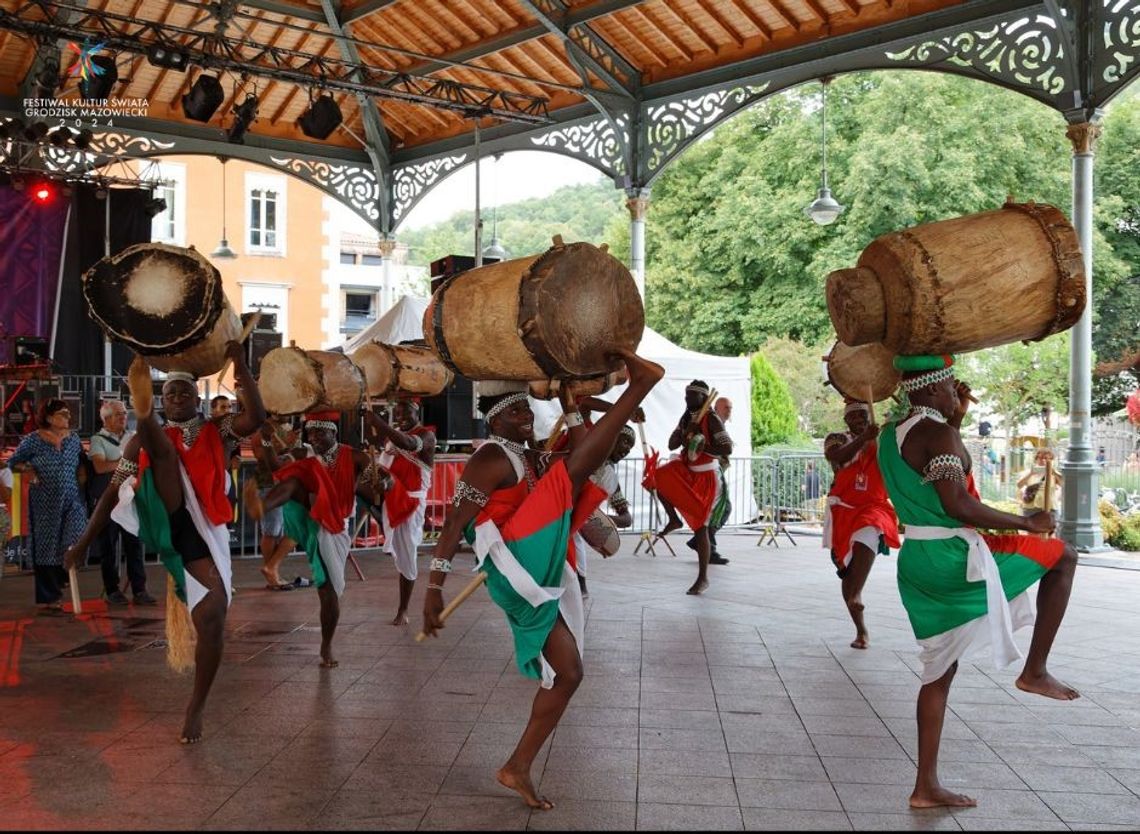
51 456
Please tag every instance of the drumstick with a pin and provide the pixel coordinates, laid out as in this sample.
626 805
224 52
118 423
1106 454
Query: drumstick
73 581
871 404
245 331
1048 487
550 441
479 579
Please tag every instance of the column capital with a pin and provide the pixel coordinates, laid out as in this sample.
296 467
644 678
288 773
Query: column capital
387 246
1083 135
637 203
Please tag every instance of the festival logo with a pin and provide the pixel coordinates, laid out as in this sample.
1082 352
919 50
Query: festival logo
84 68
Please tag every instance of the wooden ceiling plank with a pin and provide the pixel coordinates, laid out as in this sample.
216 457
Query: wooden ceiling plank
640 42
606 28
571 74
789 19
852 6
663 31
722 22
511 66
415 35
454 15
692 27
762 27
816 10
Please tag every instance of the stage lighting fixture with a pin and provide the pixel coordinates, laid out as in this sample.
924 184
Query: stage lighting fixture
61 136
43 193
168 56
83 139
244 114
321 119
97 87
154 206
35 131
204 98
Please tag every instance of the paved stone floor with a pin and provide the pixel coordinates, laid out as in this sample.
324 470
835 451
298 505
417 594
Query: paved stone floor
744 708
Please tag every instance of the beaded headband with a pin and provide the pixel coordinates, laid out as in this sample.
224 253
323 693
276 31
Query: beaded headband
915 383
503 404
181 376
700 389
320 424
856 406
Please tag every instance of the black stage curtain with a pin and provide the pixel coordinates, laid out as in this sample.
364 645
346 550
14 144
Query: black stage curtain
79 341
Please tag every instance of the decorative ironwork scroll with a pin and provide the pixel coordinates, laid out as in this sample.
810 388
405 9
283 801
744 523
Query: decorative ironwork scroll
1118 36
1028 51
410 182
353 184
671 126
594 142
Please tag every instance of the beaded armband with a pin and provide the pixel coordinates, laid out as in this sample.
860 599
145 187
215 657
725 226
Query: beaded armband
125 469
464 490
573 419
417 444
619 502
226 427
944 468
441 565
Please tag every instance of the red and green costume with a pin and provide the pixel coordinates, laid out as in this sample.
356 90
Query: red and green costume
322 528
522 541
691 486
140 509
405 504
859 510
961 589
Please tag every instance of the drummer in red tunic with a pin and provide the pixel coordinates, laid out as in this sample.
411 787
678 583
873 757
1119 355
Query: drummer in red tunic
317 495
860 521
690 482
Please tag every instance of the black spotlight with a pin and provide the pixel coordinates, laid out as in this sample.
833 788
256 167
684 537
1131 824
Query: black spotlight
168 56
35 131
204 98
11 129
321 119
244 114
61 136
154 206
83 138
98 87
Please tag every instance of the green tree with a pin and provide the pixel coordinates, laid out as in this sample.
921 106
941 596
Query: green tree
1018 381
818 406
773 412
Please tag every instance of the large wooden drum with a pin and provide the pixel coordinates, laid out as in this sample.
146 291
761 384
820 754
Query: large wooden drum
973 282
551 316
293 381
398 370
166 303
548 389
855 371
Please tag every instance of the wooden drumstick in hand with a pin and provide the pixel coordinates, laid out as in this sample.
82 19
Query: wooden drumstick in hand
479 579
249 326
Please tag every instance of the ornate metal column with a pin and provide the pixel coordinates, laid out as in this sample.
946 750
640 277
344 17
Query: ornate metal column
638 205
387 247
1080 520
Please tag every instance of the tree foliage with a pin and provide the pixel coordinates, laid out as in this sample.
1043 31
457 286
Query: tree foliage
818 406
1018 381
773 412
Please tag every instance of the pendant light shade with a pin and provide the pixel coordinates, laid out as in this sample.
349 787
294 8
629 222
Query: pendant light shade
824 209
223 251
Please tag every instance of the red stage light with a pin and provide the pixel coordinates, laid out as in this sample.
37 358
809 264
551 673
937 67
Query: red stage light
42 193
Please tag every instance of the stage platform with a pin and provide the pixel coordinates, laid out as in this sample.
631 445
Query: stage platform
743 708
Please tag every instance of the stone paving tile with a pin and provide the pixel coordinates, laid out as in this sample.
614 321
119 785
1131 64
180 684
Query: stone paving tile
475 813
1077 809
1069 779
761 766
660 817
768 819
787 793
671 762
686 790
586 784
586 815
903 822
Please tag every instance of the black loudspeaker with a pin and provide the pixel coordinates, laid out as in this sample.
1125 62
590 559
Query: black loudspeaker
450 412
30 350
98 86
259 343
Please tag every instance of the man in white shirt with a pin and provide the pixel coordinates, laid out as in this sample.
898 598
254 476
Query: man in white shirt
106 449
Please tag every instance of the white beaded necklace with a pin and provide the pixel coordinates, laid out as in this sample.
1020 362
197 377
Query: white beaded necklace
926 411
520 450
189 428
329 458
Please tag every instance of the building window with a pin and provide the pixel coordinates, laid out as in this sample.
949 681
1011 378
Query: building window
348 258
269 298
372 260
169 225
265 202
359 310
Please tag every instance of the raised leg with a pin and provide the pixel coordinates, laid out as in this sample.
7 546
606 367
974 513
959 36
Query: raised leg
931 712
256 505
1052 600
209 617
703 552
163 456
862 559
561 652
674 522
330 616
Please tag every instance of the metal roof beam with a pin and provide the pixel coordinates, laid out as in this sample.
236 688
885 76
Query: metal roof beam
286 9
552 15
363 10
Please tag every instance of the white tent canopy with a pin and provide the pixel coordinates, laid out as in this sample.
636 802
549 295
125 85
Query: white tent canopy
402 322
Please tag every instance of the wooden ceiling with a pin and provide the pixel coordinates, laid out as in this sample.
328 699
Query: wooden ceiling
657 39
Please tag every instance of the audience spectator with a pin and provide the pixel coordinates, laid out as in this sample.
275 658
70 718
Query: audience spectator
52 456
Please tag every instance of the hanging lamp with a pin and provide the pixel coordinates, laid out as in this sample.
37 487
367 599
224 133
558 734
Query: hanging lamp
223 251
824 209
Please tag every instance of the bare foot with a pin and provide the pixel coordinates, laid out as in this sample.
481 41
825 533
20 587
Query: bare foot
520 783
698 586
141 387
1046 685
939 797
642 373
861 641
669 527
268 574
327 660
254 506
401 618
191 730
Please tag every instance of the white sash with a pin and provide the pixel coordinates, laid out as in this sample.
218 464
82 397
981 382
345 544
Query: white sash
980 566
828 523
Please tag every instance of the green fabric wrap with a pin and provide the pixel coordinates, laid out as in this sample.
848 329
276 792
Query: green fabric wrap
919 362
154 530
301 528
